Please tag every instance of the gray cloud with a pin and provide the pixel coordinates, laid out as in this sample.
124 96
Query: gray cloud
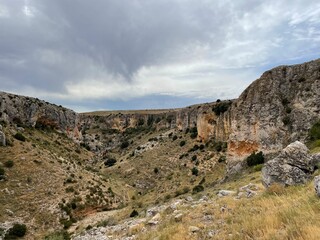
131 49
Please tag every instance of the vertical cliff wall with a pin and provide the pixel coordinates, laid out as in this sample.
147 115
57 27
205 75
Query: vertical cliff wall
278 108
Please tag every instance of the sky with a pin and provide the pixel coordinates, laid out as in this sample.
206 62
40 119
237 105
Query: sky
143 54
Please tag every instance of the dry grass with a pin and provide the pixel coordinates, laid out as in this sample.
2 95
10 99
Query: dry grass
290 213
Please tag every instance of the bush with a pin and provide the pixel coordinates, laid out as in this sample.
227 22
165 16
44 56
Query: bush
255 159
194 157
198 188
221 107
140 121
182 143
156 170
194 148
220 146
20 137
174 137
18 230
258 167
110 162
66 223
286 120
85 145
194 132
195 171
61 235
222 159
134 213
9 164
124 145
2 171
314 133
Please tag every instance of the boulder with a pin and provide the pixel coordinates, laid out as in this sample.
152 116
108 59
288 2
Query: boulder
2 137
194 229
178 217
223 193
294 165
317 185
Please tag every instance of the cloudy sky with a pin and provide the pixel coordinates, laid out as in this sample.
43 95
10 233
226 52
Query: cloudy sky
138 54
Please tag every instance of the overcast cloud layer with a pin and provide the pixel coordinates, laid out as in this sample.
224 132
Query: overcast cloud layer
109 54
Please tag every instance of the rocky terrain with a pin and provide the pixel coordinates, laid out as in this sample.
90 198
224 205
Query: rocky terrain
189 173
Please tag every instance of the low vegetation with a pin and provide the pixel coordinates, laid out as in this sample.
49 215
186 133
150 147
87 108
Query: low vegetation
255 159
17 231
19 136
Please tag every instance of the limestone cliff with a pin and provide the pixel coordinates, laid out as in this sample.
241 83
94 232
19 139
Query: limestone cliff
32 112
275 110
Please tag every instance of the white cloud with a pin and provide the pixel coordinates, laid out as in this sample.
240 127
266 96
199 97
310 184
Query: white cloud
179 48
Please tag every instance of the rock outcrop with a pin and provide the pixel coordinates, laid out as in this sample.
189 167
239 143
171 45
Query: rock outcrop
32 112
275 110
294 165
2 137
317 185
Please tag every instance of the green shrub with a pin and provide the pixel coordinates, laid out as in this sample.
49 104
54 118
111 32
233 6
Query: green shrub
182 143
286 120
198 188
220 146
222 159
156 170
60 235
134 213
195 171
174 137
20 137
2 171
257 168
194 157
9 164
193 132
66 223
140 121
194 148
124 144
18 230
314 133
255 159
221 107
110 162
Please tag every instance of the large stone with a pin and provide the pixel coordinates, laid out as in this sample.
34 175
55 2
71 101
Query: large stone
317 185
2 139
224 193
294 165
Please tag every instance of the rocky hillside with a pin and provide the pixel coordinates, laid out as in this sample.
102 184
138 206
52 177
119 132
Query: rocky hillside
276 109
32 112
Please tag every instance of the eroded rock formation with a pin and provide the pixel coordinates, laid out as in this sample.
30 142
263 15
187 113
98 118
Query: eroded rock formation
294 165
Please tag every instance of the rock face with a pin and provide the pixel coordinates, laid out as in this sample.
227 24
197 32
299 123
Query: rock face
275 110
31 112
2 137
294 165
